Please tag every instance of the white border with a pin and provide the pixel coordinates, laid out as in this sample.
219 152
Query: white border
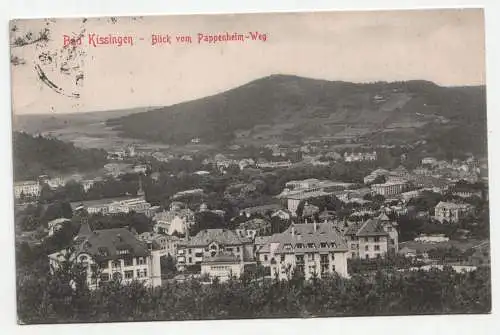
374 325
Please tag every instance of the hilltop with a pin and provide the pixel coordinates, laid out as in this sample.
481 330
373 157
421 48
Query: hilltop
35 156
282 108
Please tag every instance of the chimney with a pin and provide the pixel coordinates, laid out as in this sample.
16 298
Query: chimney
293 230
315 225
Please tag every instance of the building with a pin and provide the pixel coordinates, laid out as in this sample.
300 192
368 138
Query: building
372 238
187 193
253 228
30 189
112 254
374 175
451 212
264 210
389 188
222 266
213 242
167 245
176 220
57 224
429 161
360 156
312 249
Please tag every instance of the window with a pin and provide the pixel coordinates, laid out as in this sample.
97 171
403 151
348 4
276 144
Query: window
282 258
299 245
310 245
229 249
128 261
288 246
367 247
141 260
366 257
129 274
353 246
323 245
377 239
122 252
116 264
310 256
377 247
104 277
138 272
145 273
366 239
353 254
189 251
191 260
299 259
265 258
237 249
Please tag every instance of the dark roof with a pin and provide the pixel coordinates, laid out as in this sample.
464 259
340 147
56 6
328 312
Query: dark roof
305 234
221 236
105 244
371 227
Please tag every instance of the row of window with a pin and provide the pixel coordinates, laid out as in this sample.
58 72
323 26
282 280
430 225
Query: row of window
220 268
310 245
128 275
127 261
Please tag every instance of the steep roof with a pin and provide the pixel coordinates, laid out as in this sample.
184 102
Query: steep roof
221 236
371 227
305 234
105 244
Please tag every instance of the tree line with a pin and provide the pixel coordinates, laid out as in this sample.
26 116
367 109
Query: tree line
62 297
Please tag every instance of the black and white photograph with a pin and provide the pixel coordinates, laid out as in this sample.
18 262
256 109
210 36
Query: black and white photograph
250 166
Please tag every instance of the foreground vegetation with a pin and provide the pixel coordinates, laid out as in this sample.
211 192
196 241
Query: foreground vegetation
51 299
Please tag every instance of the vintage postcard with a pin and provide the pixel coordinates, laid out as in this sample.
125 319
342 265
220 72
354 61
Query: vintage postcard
244 166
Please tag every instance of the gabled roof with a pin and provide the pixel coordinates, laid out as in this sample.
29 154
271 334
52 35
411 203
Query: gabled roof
305 234
371 227
105 244
220 236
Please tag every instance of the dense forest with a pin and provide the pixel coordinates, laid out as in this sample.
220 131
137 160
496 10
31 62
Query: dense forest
35 156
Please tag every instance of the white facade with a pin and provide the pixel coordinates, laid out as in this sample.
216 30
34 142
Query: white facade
27 188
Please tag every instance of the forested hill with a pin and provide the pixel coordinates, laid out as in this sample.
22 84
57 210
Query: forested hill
282 108
35 156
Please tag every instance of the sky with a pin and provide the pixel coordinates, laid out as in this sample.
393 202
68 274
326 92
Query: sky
443 46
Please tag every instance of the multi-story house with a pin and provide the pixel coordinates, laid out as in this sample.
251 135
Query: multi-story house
451 212
27 189
176 220
389 188
213 242
372 238
112 254
313 249
167 245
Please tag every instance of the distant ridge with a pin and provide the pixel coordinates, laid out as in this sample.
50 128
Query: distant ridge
283 108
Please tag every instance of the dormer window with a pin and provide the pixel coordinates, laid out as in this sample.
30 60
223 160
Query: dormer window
299 245
287 246
123 251
310 245
324 245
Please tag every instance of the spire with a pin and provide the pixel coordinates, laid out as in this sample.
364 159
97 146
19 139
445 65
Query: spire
140 192
84 227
